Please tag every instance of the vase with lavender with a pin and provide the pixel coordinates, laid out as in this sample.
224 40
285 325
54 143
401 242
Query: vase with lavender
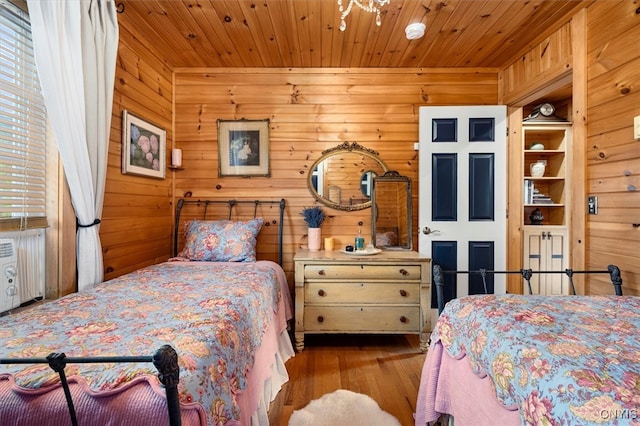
313 216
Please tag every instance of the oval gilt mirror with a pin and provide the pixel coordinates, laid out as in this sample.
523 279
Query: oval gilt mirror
342 178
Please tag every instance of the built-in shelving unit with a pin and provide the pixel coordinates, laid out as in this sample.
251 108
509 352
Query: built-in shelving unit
548 193
545 244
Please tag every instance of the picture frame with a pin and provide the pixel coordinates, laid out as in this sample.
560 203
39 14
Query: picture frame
144 147
243 148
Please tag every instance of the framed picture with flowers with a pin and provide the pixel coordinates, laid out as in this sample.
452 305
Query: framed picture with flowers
144 147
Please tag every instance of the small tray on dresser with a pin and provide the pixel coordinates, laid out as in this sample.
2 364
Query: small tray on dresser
368 252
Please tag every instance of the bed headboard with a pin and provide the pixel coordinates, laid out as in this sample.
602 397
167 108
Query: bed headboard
187 208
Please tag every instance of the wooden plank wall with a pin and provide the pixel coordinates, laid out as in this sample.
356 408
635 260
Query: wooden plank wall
527 78
311 110
315 109
613 156
601 56
137 221
547 61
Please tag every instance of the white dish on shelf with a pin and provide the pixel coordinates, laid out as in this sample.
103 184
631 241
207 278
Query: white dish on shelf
537 146
366 252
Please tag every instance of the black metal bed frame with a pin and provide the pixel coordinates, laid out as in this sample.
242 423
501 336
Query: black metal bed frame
438 279
231 203
165 360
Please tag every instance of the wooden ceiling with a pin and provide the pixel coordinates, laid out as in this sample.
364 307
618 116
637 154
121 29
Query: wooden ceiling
305 33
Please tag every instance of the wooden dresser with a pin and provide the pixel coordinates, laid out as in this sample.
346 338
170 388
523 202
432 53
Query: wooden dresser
388 292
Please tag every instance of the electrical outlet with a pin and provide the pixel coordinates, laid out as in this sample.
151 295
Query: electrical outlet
592 203
636 127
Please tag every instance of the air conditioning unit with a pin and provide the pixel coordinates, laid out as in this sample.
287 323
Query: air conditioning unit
9 297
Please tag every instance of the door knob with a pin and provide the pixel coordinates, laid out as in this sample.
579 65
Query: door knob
426 230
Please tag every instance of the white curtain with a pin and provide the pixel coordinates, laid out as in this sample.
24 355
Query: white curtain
76 43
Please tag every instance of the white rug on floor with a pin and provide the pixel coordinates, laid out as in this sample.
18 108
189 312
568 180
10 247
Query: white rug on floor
342 407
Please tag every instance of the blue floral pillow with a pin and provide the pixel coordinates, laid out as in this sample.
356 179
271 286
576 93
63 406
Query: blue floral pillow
221 240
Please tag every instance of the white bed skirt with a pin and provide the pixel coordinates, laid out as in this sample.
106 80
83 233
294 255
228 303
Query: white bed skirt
272 385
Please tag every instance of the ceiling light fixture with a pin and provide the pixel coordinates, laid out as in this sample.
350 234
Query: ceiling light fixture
371 6
415 31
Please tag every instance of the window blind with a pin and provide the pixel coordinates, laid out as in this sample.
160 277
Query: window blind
22 126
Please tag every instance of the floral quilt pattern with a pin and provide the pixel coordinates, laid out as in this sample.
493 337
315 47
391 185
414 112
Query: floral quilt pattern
562 360
214 315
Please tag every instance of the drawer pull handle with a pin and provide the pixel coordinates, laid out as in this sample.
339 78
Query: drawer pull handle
403 319
321 272
404 272
321 293
403 293
320 318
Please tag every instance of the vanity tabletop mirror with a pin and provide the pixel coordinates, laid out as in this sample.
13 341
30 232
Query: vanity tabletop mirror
342 178
391 212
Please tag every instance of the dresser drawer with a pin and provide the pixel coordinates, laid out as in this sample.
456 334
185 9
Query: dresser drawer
354 292
362 271
362 319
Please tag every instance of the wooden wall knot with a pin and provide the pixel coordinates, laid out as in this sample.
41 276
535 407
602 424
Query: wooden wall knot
544 50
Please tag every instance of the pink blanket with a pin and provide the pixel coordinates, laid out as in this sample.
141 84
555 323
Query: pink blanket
449 386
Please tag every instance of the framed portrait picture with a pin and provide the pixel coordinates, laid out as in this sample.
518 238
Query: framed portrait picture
243 147
144 147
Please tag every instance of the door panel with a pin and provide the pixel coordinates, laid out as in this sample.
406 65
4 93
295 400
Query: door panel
445 187
462 203
446 254
481 256
481 186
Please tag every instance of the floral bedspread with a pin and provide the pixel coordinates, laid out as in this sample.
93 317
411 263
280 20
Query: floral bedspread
562 360
214 315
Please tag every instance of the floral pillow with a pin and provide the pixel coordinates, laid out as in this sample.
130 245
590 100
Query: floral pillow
221 240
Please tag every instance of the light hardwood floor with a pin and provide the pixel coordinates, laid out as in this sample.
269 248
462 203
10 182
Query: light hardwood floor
385 367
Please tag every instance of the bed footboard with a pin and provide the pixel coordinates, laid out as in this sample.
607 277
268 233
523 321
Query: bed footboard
165 360
438 279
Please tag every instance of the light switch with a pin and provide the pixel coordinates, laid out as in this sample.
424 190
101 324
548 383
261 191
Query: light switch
592 203
636 127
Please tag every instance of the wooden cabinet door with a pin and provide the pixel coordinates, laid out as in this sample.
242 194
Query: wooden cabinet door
546 249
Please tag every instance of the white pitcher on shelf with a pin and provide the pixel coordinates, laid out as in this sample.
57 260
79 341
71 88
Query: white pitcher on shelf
537 169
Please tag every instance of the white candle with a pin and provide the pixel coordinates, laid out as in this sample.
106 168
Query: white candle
176 157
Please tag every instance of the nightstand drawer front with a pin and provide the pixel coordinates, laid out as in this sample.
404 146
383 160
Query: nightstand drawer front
350 293
362 319
362 271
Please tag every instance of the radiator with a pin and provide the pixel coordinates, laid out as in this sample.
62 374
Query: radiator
29 247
